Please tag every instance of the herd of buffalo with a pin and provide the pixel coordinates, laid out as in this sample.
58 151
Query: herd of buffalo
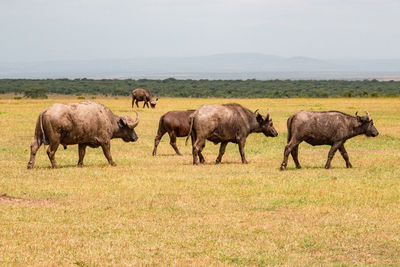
89 123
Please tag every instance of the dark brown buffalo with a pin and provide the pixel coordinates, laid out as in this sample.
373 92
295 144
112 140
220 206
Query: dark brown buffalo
325 128
226 123
86 123
176 124
141 94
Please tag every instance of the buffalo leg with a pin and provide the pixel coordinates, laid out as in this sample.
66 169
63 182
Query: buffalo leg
221 152
345 156
34 148
137 103
331 153
82 151
172 138
295 154
196 151
241 144
202 160
133 101
157 140
51 151
288 149
107 153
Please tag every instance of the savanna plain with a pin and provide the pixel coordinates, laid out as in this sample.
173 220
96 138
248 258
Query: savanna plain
162 210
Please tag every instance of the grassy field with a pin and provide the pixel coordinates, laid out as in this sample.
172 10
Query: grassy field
164 211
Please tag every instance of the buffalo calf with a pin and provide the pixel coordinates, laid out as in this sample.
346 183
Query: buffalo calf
176 124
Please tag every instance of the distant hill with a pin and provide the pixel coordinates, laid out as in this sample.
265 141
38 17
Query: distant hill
219 66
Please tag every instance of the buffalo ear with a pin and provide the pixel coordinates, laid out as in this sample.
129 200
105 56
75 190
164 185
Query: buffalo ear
122 122
259 118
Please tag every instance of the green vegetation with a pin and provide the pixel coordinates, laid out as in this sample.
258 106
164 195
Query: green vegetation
208 88
35 92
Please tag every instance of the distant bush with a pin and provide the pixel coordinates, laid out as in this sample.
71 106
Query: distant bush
348 94
36 92
80 97
17 97
374 94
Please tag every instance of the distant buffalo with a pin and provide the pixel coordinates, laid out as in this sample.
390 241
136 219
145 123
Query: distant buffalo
86 123
176 124
325 128
226 123
141 94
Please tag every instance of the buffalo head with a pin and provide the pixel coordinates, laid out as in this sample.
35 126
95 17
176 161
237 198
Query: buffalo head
367 124
126 128
153 102
266 125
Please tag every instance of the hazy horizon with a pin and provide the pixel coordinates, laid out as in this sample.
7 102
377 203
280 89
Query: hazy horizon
60 30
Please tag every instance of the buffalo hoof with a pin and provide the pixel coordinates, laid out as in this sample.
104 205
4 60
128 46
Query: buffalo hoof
80 165
298 167
327 167
29 167
179 154
349 166
217 162
283 167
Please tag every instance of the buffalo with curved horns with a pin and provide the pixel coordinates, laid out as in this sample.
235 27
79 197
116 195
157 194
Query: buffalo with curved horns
332 128
141 94
86 123
226 123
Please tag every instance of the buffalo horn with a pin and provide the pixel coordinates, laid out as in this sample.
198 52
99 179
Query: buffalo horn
369 116
135 123
356 114
255 111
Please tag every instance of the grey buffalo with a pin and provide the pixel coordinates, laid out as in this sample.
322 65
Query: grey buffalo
332 128
226 123
142 94
85 123
176 124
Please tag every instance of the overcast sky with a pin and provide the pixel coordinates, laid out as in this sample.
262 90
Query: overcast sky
42 30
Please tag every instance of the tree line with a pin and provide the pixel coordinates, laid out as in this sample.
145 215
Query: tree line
171 87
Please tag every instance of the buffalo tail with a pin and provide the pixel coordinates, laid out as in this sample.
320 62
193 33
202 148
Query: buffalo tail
191 119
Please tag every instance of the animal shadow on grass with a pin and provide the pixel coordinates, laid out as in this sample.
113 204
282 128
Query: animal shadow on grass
65 166
305 167
211 163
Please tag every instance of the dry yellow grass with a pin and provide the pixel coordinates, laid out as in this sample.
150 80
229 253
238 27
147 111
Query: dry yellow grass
164 211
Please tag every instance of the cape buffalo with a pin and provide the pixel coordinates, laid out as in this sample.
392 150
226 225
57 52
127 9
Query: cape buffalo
226 123
325 128
176 123
86 123
141 94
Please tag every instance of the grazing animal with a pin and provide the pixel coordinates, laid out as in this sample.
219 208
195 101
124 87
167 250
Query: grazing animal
226 123
86 123
325 128
176 124
141 94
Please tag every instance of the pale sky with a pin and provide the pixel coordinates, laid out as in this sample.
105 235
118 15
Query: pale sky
43 30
